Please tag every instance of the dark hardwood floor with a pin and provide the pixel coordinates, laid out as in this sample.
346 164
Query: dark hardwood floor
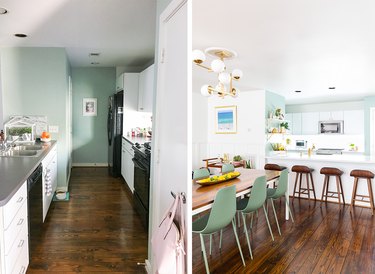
96 231
322 240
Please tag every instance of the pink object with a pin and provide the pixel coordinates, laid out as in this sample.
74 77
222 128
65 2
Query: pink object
167 241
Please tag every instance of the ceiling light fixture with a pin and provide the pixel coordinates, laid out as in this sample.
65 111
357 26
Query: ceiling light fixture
298 91
94 54
218 66
3 11
332 88
20 35
95 63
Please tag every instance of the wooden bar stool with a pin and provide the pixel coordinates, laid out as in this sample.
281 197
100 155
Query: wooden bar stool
274 167
300 170
332 171
364 174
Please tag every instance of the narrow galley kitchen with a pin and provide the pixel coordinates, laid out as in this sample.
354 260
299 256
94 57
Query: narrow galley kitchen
87 93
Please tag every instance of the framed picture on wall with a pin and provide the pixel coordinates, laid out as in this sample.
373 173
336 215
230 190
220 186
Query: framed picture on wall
226 120
90 107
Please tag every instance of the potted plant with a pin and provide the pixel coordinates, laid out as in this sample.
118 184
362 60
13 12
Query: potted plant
284 126
237 159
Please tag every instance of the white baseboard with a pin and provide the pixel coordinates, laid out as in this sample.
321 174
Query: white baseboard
90 164
148 266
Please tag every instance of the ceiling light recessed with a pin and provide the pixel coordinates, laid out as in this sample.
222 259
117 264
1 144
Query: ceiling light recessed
95 63
3 10
94 54
332 88
298 91
20 35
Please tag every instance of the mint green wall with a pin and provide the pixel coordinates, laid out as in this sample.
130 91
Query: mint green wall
90 144
35 82
369 102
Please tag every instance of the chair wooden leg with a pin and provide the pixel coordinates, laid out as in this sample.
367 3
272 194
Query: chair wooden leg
342 191
294 191
324 189
371 195
354 194
268 222
247 235
238 242
312 184
338 189
327 187
308 185
204 254
274 212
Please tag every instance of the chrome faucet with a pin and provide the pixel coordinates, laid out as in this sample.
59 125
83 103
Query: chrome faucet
5 145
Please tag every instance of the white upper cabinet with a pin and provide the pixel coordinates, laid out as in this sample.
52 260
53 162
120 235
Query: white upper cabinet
297 123
353 122
331 115
146 89
310 121
130 87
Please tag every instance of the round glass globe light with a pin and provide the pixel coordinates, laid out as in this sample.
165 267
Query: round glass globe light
198 56
237 74
217 66
205 90
224 78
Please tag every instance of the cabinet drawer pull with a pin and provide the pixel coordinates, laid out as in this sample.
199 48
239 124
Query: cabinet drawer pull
20 199
21 243
23 268
20 222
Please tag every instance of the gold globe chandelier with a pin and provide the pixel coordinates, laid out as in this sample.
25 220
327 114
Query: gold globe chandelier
218 66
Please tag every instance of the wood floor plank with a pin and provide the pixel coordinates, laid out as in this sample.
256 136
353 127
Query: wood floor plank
96 231
327 239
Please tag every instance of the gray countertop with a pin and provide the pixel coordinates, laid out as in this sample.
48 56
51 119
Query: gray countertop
14 171
139 140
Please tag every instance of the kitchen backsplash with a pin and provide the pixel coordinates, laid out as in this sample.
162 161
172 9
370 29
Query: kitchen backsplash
135 119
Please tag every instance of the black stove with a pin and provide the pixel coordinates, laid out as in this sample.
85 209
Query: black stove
141 160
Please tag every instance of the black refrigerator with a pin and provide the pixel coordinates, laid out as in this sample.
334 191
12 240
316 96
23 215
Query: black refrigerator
114 131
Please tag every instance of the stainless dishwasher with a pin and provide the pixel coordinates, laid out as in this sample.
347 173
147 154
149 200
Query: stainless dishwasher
35 207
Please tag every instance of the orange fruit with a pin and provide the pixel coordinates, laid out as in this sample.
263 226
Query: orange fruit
45 135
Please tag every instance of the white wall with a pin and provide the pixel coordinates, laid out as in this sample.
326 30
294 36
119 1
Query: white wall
249 141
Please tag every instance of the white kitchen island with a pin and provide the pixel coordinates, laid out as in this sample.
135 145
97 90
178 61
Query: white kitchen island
345 162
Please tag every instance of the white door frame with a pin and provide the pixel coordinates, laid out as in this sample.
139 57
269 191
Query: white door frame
372 131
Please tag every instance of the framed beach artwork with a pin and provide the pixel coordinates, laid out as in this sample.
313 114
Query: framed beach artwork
89 107
226 120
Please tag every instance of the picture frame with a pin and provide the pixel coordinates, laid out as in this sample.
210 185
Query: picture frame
226 120
90 107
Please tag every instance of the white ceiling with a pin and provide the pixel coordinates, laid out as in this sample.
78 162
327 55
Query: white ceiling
291 45
122 31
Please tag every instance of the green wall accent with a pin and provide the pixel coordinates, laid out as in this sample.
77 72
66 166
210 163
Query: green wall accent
35 82
90 145
369 102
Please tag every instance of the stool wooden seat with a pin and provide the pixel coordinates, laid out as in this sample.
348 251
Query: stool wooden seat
332 171
300 170
362 174
274 167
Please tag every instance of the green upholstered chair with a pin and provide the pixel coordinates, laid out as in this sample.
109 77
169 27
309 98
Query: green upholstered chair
227 168
222 214
251 204
201 173
280 191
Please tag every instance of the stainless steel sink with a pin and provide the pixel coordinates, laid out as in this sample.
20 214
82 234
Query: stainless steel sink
20 153
27 147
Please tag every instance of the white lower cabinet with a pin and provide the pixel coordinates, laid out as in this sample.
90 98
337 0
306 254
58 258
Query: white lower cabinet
14 241
49 179
127 166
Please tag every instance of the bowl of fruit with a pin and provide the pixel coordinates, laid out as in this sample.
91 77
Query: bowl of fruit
45 137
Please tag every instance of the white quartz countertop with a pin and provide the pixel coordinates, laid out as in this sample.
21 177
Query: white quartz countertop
341 158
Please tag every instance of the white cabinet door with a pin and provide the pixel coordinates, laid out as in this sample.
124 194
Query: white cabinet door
297 124
123 152
131 90
310 121
120 82
289 117
129 169
331 115
354 122
146 89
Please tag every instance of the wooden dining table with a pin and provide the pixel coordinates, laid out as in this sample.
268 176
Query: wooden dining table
203 196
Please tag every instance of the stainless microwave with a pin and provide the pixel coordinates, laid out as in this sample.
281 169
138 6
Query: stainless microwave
331 127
